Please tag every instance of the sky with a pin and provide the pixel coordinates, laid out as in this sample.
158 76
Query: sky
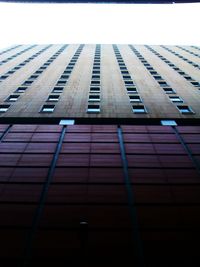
167 24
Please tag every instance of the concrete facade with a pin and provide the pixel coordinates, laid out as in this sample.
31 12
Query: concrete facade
114 97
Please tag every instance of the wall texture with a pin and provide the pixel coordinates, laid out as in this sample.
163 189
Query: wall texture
99 195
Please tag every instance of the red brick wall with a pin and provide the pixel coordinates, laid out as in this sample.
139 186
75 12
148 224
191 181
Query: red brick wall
88 184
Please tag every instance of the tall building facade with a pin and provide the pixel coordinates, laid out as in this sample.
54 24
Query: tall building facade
99 155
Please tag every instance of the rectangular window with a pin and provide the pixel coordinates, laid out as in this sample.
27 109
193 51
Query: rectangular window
34 76
21 89
67 71
139 109
53 98
93 109
12 98
94 98
93 82
195 83
135 98
188 78
69 67
131 90
28 82
4 108
157 77
169 90
126 77
38 71
128 82
95 89
176 99
153 72
123 68
47 108
61 82
58 89
163 83
95 76
124 72
2 77
185 109
96 72
64 76
149 68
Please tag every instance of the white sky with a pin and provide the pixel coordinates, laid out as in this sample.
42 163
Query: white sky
99 23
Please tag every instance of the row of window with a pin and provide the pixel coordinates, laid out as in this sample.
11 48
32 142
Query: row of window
60 84
16 55
167 89
181 57
131 88
170 64
187 50
21 89
196 47
9 49
22 64
95 85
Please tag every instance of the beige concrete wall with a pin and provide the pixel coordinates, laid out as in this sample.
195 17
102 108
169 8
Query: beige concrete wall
114 99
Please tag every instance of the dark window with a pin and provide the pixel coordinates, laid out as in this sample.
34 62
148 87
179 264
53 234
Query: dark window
185 109
12 98
139 109
93 109
4 108
53 98
47 108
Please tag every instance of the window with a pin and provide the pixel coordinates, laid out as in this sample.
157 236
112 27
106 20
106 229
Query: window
195 83
185 109
95 89
123 68
169 90
64 76
61 82
93 109
28 82
21 89
67 71
131 90
188 78
53 98
139 109
96 72
33 76
135 98
168 123
157 77
95 76
12 98
2 77
94 98
153 72
124 72
128 82
93 82
58 89
150 68
38 71
126 77
48 108
163 83
176 99
4 108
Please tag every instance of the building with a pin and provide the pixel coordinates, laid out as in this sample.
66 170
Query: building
99 155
